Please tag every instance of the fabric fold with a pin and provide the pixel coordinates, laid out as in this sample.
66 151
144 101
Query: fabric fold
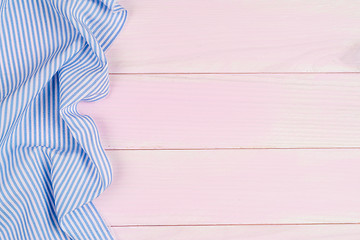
52 162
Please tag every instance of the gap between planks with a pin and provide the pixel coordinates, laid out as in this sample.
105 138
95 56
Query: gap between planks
230 225
187 149
229 73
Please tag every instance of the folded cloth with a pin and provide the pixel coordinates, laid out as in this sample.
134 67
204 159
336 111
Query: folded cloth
52 164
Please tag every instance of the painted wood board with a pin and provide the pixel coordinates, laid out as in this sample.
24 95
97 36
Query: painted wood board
243 186
192 111
238 36
319 232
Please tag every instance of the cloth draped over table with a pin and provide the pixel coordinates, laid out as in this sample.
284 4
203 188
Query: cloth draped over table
52 164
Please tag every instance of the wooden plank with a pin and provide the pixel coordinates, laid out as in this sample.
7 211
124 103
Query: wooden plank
229 111
247 186
325 232
238 36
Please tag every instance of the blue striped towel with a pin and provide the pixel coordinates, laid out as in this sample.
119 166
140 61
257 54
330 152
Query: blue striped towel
52 164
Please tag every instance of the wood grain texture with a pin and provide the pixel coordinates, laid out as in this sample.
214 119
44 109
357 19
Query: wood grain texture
264 183
189 111
238 36
326 232
248 186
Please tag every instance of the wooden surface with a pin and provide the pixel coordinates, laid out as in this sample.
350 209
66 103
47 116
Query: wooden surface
229 111
238 36
249 186
233 120
327 232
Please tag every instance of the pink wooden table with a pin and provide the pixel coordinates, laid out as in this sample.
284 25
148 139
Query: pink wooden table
231 120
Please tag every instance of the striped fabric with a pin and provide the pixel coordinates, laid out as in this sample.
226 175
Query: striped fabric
52 164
